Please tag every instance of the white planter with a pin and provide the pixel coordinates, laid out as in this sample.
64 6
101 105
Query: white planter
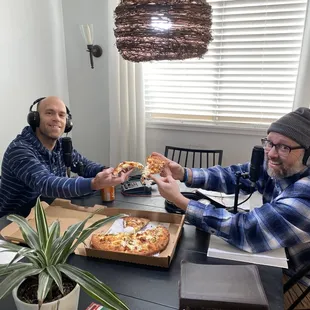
68 302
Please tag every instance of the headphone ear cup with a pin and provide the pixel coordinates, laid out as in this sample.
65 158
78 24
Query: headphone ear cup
305 160
33 119
69 125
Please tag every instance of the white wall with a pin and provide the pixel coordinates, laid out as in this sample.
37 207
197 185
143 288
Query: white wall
32 60
88 88
237 148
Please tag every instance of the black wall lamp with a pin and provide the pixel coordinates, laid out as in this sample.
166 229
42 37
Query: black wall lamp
88 35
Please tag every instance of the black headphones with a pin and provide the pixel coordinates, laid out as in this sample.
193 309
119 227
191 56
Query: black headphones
306 156
33 117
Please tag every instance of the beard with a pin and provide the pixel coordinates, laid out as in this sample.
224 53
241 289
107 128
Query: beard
49 134
284 171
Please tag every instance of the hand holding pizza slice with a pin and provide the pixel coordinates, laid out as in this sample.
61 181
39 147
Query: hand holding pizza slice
154 164
171 168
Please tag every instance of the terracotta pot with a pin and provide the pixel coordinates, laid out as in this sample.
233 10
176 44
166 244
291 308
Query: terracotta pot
68 302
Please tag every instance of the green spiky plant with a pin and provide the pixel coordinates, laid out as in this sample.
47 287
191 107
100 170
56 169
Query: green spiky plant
47 255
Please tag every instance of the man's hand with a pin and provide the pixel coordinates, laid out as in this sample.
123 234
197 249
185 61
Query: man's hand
169 189
172 168
106 178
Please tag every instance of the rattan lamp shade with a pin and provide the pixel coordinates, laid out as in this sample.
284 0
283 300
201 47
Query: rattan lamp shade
162 29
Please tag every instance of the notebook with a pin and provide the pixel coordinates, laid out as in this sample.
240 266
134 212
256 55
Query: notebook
221 287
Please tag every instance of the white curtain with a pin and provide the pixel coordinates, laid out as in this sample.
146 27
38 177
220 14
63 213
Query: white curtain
126 103
302 92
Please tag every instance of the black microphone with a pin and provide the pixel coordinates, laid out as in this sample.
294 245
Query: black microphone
67 153
257 160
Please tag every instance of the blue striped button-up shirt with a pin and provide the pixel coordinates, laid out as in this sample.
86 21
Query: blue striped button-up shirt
29 170
283 220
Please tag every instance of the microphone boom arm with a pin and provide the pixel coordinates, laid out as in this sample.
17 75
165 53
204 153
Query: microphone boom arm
239 175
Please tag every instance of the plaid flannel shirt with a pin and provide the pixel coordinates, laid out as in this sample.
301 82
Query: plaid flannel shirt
283 220
29 170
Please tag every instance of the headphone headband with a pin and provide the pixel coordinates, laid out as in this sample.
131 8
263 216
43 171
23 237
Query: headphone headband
35 102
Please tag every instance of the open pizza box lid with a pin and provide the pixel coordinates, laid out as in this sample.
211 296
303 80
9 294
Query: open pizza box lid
68 214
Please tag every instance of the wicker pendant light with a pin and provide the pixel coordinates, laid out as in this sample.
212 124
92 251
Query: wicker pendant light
162 29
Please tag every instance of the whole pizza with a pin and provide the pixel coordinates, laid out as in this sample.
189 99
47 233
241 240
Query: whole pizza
147 242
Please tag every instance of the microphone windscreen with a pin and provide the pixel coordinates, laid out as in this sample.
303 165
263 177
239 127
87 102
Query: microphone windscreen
66 144
257 160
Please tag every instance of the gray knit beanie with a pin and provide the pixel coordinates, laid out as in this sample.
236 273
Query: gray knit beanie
294 125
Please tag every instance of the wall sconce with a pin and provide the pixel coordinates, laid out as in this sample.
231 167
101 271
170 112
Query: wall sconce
88 35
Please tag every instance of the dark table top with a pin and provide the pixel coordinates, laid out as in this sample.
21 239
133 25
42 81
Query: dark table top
148 287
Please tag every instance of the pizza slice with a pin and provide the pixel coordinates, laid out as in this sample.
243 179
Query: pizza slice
152 241
154 164
126 165
110 242
137 223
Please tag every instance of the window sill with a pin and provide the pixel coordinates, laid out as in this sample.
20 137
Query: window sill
252 130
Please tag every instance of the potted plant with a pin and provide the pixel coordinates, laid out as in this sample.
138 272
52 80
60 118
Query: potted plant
44 275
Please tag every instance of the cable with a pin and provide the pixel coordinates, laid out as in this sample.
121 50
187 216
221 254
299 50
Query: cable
240 203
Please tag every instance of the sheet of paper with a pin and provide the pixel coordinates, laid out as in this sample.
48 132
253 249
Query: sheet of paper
118 227
228 200
219 248
6 257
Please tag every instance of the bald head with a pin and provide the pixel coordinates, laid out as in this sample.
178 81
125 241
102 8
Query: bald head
50 101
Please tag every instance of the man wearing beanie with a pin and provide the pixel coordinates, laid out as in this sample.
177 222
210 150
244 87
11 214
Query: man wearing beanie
283 220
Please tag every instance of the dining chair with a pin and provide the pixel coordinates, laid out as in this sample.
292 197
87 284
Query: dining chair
194 158
293 280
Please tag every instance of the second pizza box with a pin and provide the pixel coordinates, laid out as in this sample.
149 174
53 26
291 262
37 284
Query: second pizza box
68 214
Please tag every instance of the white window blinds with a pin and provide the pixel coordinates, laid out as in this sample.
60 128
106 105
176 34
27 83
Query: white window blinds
248 76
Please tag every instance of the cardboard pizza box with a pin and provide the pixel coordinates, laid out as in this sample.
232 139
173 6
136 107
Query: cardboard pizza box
68 214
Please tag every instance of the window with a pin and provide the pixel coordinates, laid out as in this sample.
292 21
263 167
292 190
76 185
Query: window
246 79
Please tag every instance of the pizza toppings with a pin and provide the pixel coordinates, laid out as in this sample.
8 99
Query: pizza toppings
126 165
147 242
137 223
154 164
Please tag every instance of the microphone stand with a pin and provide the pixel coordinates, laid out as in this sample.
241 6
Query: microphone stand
239 175
257 160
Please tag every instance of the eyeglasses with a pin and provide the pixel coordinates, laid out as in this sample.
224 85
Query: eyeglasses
282 149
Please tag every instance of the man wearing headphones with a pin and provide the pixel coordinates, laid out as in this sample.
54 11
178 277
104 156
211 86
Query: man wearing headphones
33 163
